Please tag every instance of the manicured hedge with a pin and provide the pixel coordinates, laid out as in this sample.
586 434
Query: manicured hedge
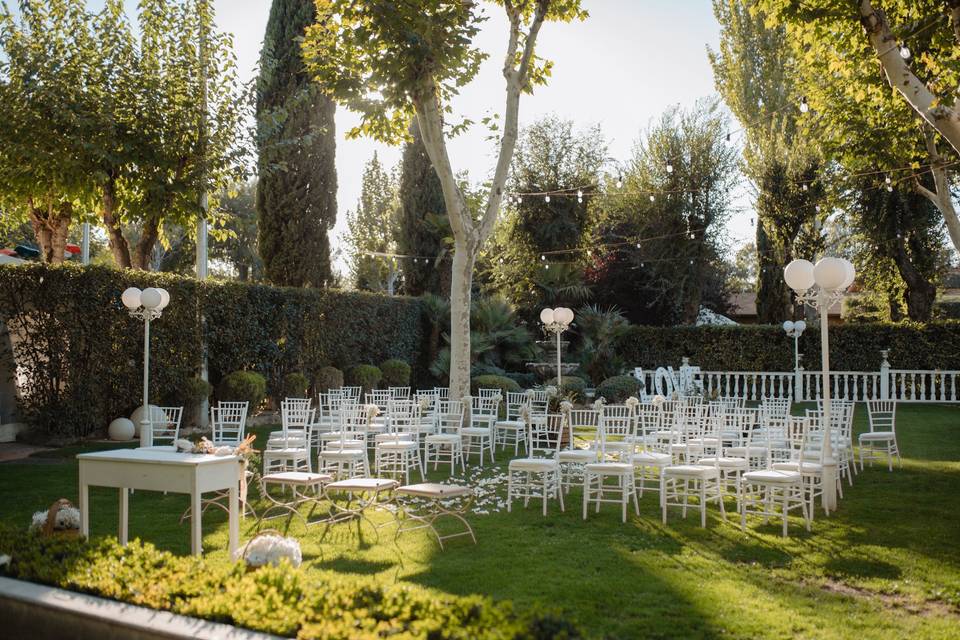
853 347
83 357
279 600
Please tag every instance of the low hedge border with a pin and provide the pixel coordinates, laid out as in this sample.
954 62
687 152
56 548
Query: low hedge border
279 600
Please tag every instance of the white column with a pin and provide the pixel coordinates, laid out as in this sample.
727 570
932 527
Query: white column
146 431
829 480
85 244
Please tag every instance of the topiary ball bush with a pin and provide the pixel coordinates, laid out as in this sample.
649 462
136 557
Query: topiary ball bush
618 388
571 388
367 376
295 385
328 378
494 382
241 386
396 373
190 394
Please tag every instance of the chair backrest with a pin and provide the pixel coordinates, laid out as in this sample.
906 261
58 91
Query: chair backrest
484 407
399 392
617 425
379 397
584 423
165 425
774 409
229 422
882 415
449 417
516 400
649 422
488 393
351 392
442 392
295 415
543 438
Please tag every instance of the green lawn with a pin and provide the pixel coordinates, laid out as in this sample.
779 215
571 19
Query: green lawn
886 565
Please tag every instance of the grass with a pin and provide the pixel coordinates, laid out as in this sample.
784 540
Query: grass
886 565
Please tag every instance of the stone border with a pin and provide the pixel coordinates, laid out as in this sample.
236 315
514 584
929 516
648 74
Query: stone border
36 611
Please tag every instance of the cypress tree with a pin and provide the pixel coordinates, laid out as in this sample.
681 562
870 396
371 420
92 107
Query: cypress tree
297 189
423 222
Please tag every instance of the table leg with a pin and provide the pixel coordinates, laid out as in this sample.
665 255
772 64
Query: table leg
234 522
124 514
84 500
196 543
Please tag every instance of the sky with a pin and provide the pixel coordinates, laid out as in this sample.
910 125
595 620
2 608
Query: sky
621 68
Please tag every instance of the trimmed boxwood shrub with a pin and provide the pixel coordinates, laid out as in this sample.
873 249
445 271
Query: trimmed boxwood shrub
328 378
279 600
494 382
571 387
192 392
618 388
396 373
295 385
241 386
367 376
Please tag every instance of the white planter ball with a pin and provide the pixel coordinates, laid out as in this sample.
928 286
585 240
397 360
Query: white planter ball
121 430
138 415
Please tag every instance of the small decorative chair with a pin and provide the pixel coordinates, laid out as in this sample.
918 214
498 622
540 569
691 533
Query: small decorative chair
166 430
882 437
478 437
538 475
617 438
228 421
512 430
446 445
572 459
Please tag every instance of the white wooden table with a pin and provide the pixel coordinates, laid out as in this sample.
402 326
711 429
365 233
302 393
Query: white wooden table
161 470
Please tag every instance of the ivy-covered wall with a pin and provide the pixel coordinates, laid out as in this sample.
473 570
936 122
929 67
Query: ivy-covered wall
78 355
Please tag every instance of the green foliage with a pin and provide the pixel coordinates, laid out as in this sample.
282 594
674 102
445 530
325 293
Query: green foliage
278 600
423 228
371 229
494 382
396 373
295 385
296 142
244 386
328 378
193 391
599 333
571 388
81 356
618 388
239 222
853 347
367 376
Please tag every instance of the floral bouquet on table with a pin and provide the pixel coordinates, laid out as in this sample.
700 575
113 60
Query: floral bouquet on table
61 518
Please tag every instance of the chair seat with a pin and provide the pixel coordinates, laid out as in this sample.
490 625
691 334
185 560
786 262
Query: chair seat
808 467
772 476
743 452
443 438
704 442
691 471
650 458
434 490
345 454
288 451
610 468
393 437
407 445
577 455
297 478
475 431
878 436
362 484
533 464
726 462
510 424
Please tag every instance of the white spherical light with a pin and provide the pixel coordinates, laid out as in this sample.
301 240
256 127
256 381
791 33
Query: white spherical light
121 430
164 298
851 274
563 315
151 298
546 316
830 273
799 275
799 326
788 326
131 298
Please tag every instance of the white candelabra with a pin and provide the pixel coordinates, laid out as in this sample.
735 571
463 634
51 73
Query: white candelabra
821 286
145 305
557 321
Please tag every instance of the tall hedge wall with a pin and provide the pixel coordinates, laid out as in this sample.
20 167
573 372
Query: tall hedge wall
80 355
854 347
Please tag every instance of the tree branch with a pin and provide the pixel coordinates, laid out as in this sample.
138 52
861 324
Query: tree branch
941 117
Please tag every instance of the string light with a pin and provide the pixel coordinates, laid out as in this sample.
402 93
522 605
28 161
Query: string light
804 105
904 51
619 181
888 180
546 198
542 257
669 168
805 186
653 198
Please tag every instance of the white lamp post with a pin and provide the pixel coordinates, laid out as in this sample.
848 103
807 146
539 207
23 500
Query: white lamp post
820 287
795 330
557 321
145 305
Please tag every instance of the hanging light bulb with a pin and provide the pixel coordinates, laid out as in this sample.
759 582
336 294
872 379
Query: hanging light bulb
806 187
620 181
580 199
804 105
888 180
501 260
692 235
589 252
669 168
546 267
890 188
638 245
579 195
904 51
653 198
519 199
818 208
542 258
546 198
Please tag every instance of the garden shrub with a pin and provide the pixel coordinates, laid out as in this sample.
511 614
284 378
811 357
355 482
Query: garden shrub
367 376
241 386
295 385
494 382
328 378
396 373
192 392
279 600
571 388
618 388
526 380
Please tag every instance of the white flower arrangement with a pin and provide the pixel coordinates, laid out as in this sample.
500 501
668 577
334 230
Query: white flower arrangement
183 446
425 403
529 393
598 405
525 414
551 390
566 406
372 411
271 549
67 518
657 400
632 402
